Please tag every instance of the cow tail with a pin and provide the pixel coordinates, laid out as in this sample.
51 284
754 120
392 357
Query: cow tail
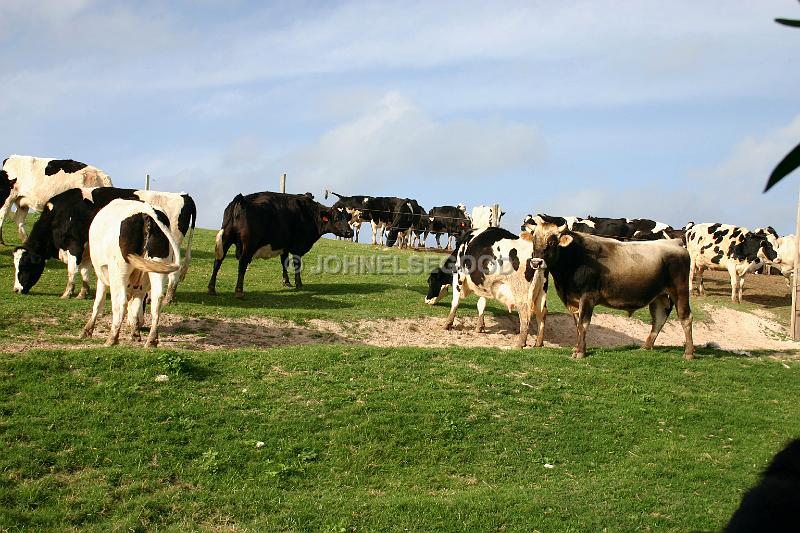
235 211
187 258
148 265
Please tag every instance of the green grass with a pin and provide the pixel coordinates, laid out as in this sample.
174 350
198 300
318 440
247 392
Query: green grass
378 439
368 439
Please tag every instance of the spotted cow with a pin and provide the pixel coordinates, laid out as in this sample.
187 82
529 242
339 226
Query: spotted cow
495 263
726 247
31 181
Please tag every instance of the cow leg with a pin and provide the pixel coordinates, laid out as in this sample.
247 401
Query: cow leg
212 283
541 316
700 286
135 304
172 286
285 269
156 299
480 328
72 268
692 268
3 212
741 288
583 319
244 261
19 218
524 312
456 299
659 311
297 266
735 294
84 269
99 302
119 299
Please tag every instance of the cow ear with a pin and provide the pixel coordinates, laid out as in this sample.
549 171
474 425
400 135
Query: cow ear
526 236
565 240
326 216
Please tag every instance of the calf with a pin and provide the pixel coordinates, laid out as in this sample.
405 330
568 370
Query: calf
31 181
132 250
495 263
449 219
589 270
483 217
63 231
726 247
268 224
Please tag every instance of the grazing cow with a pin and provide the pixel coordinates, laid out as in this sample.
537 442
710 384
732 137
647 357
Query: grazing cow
63 231
268 224
441 277
32 181
589 270
774 503
354 205
449 219
726 247
637 229
132 251
495 263
483 217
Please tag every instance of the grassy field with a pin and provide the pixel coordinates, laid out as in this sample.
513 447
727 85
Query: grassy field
357 438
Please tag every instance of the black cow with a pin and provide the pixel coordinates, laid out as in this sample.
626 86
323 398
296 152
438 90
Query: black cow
449 219
589 270
62 231
383 211
404 221
774 504
268 224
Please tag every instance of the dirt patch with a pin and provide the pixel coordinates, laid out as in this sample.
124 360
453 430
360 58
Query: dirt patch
727 329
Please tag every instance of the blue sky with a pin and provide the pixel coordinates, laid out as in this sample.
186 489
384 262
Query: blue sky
675 111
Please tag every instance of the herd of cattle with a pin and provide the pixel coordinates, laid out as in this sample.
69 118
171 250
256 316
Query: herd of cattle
132 240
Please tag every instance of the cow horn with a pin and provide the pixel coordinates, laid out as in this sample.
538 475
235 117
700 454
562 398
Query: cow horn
538 220
562 229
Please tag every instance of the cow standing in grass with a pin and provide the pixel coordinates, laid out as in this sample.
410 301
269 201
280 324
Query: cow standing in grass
495 263
132 252
727 247
62 231
32 181
588 271
270 224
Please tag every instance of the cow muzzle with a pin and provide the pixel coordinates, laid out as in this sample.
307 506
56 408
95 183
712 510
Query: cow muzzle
538 263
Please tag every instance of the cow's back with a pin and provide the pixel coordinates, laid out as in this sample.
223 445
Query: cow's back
282 221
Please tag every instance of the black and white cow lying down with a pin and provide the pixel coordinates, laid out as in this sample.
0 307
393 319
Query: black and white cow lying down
495 263
270 224
32 181
726 247
132 252
62 231
588 271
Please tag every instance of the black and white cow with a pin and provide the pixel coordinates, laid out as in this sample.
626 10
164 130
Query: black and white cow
495 263
62 231
32 181
270 224
726 247
354 205
132 252
383 211
418 232
589 270
449 219
405 220
637 229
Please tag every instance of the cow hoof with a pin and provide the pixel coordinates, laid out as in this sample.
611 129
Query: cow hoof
87 333
212 291
239 295
151 344
480 329
65 296
578 355
82 295
448 327
298 286
111 342
688 356
287 284
519 346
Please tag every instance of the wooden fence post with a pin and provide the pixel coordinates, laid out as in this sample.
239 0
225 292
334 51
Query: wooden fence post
147 182
283 183
496 215
795 284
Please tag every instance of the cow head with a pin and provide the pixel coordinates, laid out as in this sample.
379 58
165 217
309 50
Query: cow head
28 268
438 282
755 250
548 240
336 221
5 186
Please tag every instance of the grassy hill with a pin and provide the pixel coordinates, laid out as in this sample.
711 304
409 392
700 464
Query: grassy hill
358 438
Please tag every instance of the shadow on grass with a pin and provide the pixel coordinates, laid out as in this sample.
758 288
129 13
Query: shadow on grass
767 300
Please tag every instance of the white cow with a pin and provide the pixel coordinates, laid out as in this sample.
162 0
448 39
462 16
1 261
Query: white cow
483 217
786 248
34 180
132 252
